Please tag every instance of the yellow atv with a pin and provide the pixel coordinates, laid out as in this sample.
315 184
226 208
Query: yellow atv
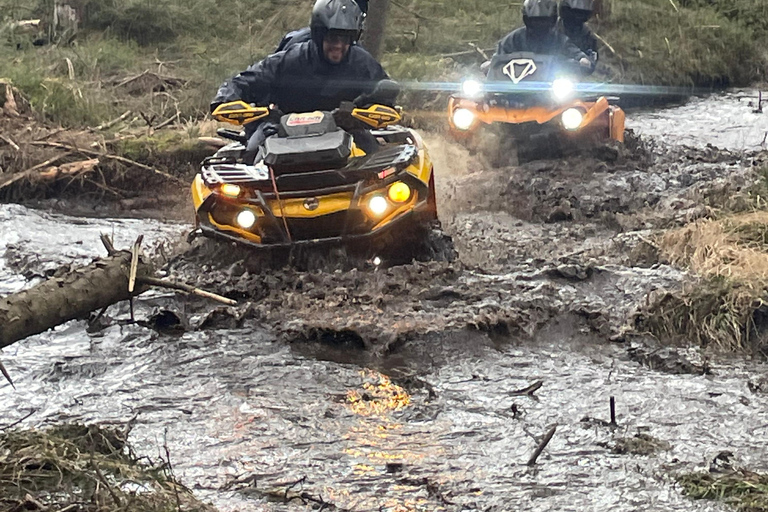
312 183
539 103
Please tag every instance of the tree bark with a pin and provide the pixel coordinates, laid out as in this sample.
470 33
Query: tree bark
375 27
74 295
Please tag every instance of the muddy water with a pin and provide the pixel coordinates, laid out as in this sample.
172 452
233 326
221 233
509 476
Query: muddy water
729 120
426 416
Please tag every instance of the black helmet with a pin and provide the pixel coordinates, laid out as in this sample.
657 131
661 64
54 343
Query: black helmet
575 12
336 15
540 15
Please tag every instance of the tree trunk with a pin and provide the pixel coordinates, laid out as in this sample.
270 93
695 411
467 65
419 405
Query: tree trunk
74 295
375 25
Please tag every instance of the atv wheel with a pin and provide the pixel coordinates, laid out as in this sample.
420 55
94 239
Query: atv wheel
424 241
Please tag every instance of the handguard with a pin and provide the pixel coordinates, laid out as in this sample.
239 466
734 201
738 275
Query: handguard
377 116
239 112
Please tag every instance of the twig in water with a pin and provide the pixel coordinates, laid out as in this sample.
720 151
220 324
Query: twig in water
7 375
530 390
30 413
153 281
543 444
134 263
613 411
108 244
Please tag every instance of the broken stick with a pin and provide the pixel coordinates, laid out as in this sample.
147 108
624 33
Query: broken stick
134 263
543 444
530 390
107 155
153 281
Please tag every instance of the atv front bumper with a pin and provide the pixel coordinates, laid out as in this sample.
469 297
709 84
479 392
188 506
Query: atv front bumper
598 115
346 221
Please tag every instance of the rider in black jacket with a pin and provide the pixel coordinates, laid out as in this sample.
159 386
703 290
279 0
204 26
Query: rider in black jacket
573 16
315 75
539 35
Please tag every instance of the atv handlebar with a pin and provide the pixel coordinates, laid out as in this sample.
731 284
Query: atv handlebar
347 115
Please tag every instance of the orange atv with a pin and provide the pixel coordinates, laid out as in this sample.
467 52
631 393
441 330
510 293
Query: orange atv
539 103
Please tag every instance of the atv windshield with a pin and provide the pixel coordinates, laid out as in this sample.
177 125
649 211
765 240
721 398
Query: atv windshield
528 75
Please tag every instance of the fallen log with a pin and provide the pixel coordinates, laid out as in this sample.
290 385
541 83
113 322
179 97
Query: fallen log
74 295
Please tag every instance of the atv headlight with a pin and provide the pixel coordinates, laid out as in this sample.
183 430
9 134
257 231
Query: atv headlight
463 118
471 88
246 219
399 192
378 205
228 189
572 119
562 89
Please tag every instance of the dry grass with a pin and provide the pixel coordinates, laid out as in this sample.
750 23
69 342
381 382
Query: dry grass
85 468
734 248
726 308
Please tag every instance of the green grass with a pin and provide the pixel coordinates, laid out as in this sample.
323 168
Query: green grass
658 43
699 42
744 490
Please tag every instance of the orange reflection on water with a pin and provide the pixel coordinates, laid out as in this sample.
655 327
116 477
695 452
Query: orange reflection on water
379 396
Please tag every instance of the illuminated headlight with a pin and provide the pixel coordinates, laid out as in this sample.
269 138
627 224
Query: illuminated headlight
471 88
378 205
562 89
246 219
463 118
231 190
399 192
572 119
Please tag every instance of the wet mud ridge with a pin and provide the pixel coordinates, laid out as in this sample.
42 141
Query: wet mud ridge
565 242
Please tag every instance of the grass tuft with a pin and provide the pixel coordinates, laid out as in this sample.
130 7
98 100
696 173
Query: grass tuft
68 466
744 490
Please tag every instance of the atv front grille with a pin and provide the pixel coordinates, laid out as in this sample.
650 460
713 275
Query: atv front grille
325 226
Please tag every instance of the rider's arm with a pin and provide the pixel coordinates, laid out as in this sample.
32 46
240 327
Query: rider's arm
254 85
512 42
572 52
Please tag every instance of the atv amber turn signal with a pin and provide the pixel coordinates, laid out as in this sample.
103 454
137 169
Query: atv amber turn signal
228 189
463 118
572 119
378 205
399 192
246 219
